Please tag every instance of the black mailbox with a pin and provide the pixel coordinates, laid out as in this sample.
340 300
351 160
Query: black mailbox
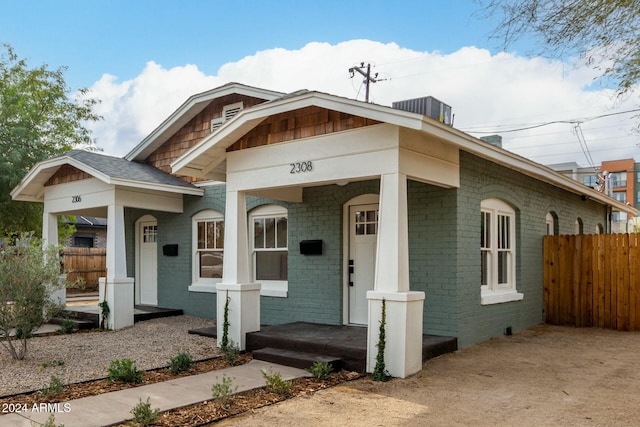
311 247
170 250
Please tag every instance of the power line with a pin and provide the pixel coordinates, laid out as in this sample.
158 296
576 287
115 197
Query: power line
538 125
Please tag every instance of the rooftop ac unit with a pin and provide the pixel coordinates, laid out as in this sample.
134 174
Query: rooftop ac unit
427 106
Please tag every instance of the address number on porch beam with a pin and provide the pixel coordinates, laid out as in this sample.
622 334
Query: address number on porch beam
76 199
300 167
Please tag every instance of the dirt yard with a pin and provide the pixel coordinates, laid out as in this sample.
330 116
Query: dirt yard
553 376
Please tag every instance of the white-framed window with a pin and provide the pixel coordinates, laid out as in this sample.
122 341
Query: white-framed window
551 224
269 249
498 253
207 237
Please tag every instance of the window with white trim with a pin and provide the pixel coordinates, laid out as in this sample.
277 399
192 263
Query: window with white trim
498 253
269 249
207 250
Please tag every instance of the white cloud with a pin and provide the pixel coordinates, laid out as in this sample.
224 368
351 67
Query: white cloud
487 92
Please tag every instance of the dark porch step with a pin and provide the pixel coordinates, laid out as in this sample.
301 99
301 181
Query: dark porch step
148 312
79 324
295 359
92 319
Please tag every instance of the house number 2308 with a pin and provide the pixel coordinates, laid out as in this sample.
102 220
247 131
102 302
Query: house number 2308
301 167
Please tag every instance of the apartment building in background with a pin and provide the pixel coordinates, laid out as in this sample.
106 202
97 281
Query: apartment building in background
619 179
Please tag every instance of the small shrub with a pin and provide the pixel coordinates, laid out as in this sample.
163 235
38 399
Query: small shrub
181 363
124 370
231 352
67 326
275 383
143 414
320 370
51 363
222 392
51 422
55 386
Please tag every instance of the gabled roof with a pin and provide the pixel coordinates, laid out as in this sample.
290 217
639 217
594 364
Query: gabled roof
187 111
109 169
208 157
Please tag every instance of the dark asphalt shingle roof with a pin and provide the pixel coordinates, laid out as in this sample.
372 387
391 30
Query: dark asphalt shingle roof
116 167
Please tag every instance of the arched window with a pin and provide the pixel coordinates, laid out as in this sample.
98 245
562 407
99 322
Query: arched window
498 252
551 224
579 226
599 229
269 249
207 241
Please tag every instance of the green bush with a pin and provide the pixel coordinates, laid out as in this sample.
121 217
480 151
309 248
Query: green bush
231 352
143 414
51 422
67 326
124 370
55 386
28 276
181 363
320 370
51 363
222 392
275 383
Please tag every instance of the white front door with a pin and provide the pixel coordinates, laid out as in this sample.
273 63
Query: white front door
363 230
148 262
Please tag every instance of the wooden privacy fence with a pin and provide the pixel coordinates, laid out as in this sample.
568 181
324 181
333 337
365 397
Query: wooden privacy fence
593 280
86 263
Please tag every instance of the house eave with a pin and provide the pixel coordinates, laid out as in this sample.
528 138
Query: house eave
209 153
189 109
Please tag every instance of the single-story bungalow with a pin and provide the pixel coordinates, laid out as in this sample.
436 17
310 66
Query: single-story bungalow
312 207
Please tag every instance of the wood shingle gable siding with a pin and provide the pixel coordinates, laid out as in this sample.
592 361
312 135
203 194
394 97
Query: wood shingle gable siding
302 123
67 173
194 131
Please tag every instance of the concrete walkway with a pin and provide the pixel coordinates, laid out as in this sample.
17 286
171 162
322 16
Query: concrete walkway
115 407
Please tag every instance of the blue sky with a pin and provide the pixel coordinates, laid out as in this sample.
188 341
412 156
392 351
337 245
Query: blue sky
119 37
143 58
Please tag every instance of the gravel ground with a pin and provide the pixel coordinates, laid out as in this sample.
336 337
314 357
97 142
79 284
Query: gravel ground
86 356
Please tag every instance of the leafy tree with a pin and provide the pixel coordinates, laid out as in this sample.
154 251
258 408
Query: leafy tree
605 33
38 120
28 275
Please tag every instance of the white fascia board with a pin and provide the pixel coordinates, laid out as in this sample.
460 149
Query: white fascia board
48 168
189 109
521 164
215 145
225 137
155 186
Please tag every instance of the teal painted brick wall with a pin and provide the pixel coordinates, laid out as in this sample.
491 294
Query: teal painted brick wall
444 251
315 282
479 180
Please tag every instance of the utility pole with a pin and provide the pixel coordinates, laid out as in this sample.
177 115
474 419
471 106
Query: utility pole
367 76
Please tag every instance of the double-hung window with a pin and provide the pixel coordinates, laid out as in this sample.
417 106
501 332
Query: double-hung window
498 253
207 251
269 249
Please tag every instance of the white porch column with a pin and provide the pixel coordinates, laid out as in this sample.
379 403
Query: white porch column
50 237
117 289
244 296
404 308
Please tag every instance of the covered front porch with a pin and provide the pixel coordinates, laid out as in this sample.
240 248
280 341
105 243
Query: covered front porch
91 184
382 152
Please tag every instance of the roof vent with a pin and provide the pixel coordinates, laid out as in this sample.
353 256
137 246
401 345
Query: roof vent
228 112
493 140
427 106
